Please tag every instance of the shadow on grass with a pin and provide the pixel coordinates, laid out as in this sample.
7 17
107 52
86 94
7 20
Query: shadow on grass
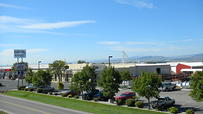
185 108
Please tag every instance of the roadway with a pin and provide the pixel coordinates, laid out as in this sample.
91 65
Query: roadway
14 105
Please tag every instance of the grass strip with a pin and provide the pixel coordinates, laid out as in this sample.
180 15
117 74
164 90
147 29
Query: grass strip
2 112
80 105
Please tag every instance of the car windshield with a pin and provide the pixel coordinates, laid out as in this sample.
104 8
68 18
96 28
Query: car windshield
126 95
160 98
123 95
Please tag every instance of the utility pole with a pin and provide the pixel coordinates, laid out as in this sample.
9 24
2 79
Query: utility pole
109 60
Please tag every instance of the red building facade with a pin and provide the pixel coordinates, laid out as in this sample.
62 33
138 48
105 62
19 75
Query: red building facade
179 67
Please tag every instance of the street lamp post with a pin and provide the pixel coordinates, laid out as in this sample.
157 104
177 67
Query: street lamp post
39 64
109 60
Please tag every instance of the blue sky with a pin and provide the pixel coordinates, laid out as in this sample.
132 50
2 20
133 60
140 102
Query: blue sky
93 29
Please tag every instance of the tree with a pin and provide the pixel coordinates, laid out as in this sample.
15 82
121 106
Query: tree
109 81
77 82
81 61
84 80
29 76
42 78
147 85
125 75
57 68
196 84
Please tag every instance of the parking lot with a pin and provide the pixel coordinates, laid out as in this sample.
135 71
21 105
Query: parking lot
182 98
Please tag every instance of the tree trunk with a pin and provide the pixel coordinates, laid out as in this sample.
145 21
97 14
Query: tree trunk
55 77
59 77
148 99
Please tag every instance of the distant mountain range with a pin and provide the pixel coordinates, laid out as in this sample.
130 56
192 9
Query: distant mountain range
154 59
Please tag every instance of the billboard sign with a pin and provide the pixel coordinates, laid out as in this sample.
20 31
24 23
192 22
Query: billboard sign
20 67
19 53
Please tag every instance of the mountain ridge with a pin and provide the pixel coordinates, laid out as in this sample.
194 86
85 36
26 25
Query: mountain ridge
182 58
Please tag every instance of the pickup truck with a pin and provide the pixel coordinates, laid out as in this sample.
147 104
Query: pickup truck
163 102
167 86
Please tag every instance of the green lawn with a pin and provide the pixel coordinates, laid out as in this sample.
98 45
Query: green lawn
92 107
1 112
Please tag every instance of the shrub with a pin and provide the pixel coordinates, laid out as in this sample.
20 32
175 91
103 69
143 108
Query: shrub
120 102
39 90
50 93
130 102
139 104
76 97
60 85
64 94
161 108
29 89
26 89
96 99
21 87
70 96
189 111
173 110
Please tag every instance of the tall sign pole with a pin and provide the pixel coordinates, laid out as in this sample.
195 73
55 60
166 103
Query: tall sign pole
20 67
18 71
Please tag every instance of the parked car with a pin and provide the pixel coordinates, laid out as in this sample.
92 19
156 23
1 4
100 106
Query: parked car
163 102
45 89
100 96
30 87
49 89
65 92
125 95
89 95
167 86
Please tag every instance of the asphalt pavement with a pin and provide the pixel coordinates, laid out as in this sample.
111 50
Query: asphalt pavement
14 105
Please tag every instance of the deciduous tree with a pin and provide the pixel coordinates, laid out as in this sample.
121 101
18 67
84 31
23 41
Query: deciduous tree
147 85
29 76
196 84
84 80
125 75
109 81
41 79
57 68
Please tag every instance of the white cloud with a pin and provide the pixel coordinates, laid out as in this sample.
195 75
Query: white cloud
136 49
109 43
12 6
9 19
141 43
37 50
56 25
24 25
137 3
187 40
131 43
9 45
7 52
